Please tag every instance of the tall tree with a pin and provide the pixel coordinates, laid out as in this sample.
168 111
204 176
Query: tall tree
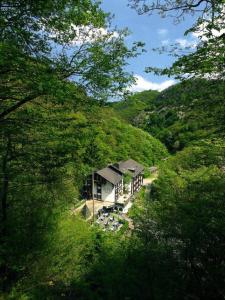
56 58
46 43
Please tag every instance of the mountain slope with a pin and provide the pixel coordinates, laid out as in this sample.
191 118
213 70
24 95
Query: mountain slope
183 219
50 163
183 113
134 105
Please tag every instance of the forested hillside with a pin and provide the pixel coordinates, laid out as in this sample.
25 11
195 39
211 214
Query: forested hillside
58 68
182 224
61 64
46 161
184 214
180 115
134 106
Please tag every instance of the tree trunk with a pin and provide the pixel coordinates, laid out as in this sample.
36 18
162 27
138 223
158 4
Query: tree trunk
4 191
3 203
5 184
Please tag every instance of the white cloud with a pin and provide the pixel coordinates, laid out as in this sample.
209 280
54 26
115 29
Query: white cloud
85 34
162 31
184 43
143 84
165 42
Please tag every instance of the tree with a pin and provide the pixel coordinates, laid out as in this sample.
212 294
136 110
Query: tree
44 45
208 59
54 55
178 9
184 220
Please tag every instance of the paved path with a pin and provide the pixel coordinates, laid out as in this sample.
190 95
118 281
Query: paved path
127 207
149 180
98 204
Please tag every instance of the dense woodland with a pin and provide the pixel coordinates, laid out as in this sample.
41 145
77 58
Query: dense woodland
58 123
182 115
182 223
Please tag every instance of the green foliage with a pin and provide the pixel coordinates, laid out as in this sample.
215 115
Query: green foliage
46 162
138 206
59 60
207 58
69 253
185 113
52 134
127 178
47 45
181 223
126 142
85 263
184 217
132 107
177 246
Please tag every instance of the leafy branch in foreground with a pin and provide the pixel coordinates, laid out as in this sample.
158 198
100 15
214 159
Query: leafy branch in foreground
208 61
207 58
44 45
177 9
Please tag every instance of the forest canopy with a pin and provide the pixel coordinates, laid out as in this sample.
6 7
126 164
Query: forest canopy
47 44
61 65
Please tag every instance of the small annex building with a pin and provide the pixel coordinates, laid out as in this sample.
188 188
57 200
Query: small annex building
109 184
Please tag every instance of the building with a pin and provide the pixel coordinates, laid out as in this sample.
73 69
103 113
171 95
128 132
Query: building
114 181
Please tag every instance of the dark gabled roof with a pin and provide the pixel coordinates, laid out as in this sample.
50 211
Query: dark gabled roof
114 173
110 175
113 167
130 165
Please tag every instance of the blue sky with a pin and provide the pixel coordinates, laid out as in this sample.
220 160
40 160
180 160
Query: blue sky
155 32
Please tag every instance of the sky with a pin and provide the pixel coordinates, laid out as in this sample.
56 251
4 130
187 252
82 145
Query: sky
155 32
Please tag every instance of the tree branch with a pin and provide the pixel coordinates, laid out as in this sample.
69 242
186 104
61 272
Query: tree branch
17 105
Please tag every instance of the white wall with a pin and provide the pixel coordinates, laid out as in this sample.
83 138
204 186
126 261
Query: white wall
108 192
95 188
128 188
122 186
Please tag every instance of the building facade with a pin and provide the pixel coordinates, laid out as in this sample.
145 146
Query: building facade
108 184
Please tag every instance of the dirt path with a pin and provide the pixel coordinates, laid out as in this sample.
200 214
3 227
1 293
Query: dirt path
149 180
98 204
